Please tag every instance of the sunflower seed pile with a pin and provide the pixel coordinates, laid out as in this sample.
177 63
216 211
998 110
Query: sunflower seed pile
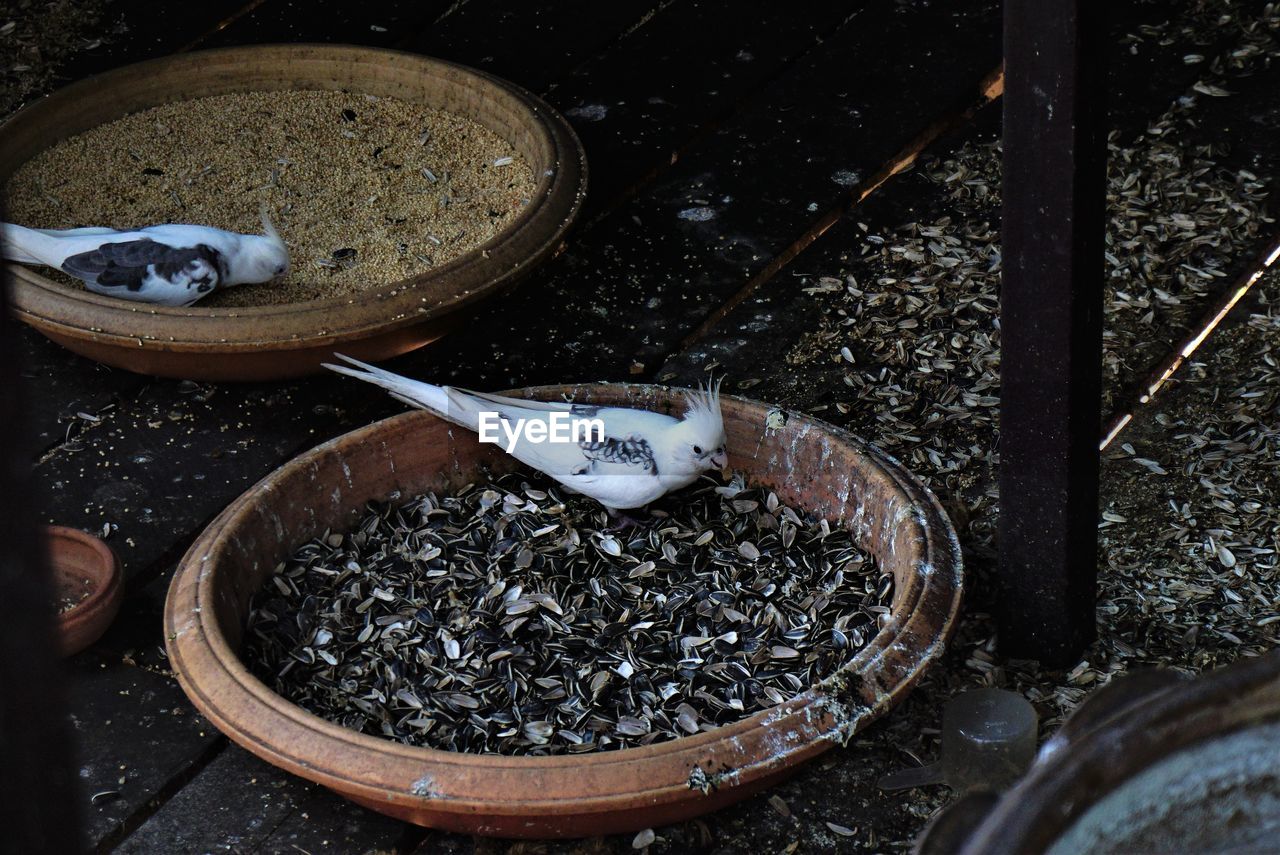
509 619
911 332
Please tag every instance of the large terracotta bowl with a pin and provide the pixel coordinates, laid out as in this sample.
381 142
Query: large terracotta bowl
811 465
268 342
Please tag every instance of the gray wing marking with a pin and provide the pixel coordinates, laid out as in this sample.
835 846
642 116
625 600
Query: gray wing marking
627 451
128 264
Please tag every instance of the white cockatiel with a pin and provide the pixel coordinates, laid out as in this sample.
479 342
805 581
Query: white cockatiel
170 265
640 457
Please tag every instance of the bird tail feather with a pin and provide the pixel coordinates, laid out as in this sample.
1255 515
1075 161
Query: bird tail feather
19 243
87 230
415 393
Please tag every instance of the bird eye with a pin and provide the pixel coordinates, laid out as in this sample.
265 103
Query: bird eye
697 449
280 271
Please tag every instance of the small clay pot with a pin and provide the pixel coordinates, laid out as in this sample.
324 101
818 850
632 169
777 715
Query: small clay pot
272 342
809 464
81 562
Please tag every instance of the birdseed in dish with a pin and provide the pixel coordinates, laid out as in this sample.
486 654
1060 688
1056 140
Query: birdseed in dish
507 619
366 191
71 595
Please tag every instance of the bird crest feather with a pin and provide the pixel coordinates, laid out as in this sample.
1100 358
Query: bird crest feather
702 405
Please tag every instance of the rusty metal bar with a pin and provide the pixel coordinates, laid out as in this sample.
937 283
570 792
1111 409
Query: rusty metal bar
1051 327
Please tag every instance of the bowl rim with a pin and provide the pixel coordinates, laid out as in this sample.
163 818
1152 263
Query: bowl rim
192 632
525 242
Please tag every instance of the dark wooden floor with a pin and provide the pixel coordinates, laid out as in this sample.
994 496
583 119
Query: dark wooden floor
772 120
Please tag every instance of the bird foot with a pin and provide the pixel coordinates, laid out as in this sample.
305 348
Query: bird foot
623 522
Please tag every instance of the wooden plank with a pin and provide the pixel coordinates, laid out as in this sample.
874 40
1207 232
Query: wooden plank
669 72
132 722
69 385
202 817
750 344
820 792
160 466
186 803
138 740
691 65
372 23
242 804
532 44
327 824
652 270
1051 329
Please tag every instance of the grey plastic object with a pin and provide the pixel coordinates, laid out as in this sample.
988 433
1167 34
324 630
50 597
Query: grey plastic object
988 742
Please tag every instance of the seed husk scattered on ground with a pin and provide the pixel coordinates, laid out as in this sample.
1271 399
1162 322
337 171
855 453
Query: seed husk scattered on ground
345 176
913 332
507 619
38 38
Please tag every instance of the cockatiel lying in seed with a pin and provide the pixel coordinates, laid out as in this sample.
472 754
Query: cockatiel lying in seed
640 457
170 265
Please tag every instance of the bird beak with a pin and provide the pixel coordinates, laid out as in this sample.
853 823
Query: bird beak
721 462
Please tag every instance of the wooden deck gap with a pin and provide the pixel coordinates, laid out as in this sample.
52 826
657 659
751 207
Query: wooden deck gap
989 88
134 821
139 579
221 25
49 452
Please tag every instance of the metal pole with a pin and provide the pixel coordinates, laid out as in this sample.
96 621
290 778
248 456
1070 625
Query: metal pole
1051 327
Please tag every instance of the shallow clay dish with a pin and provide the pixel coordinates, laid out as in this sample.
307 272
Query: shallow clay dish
268 342
83 562
809 464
